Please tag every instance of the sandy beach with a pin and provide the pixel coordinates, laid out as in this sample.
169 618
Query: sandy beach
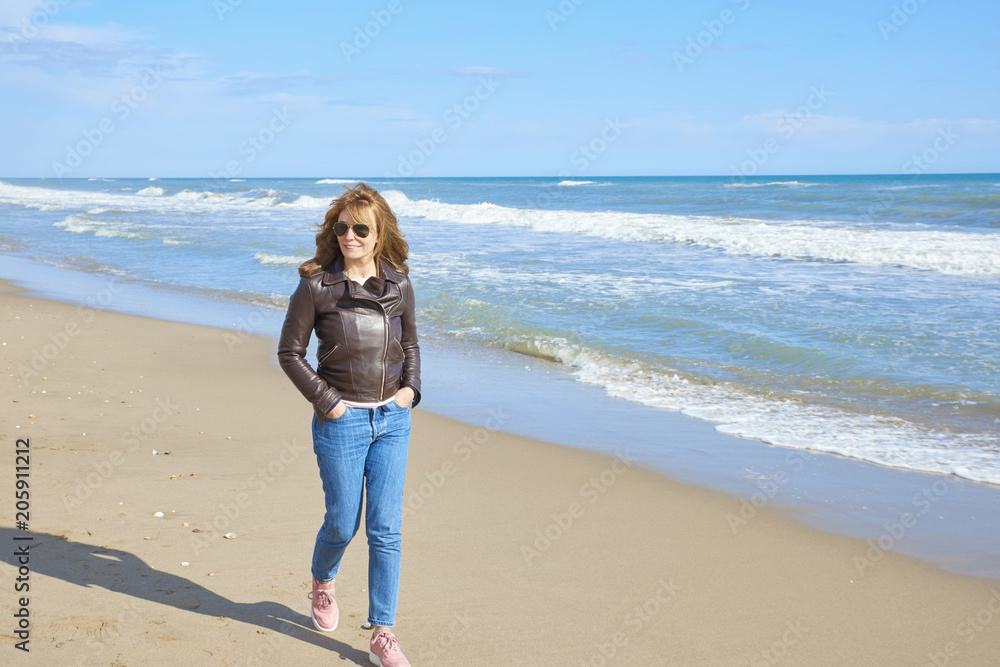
516 551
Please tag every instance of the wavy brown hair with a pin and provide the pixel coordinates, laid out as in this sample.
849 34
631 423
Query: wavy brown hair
365 205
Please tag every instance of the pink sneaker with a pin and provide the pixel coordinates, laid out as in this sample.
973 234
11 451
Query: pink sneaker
325 614
385 652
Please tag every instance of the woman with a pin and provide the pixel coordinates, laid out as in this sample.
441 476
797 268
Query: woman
357 296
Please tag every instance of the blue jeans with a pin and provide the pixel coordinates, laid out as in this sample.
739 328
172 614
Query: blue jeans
364 451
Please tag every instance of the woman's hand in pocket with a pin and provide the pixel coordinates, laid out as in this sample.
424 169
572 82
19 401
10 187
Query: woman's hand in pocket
404 397
337 411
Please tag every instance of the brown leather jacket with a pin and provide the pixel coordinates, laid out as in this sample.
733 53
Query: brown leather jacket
367 337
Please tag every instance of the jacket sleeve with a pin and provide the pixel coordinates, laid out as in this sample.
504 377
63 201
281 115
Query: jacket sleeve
411 348
295 334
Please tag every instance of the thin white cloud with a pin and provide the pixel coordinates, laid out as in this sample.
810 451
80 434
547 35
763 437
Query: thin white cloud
818 123
90 34
299 103
89 52
257 83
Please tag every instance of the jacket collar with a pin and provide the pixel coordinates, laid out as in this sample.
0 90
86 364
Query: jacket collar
334 272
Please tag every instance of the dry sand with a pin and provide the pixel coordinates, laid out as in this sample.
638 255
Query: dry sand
515 551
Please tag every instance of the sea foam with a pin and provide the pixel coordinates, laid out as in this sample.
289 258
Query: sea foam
270 259
878 439
945 251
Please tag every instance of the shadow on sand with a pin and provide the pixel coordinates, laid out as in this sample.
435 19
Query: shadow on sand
127 575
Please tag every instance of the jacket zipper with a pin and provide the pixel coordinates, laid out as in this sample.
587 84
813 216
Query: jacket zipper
385 349
327 355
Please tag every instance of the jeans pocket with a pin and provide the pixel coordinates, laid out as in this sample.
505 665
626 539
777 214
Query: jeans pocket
340 418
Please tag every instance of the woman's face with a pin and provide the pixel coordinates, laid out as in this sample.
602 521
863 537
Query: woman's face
354 247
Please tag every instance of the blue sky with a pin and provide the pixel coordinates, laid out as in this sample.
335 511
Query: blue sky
543 88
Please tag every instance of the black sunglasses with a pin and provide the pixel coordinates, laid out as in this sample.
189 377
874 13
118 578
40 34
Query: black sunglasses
360 230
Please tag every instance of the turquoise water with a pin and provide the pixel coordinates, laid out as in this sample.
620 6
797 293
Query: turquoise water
848 314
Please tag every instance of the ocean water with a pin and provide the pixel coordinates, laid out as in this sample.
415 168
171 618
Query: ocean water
849 314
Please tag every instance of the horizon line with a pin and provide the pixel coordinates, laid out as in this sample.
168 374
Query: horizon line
567 177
